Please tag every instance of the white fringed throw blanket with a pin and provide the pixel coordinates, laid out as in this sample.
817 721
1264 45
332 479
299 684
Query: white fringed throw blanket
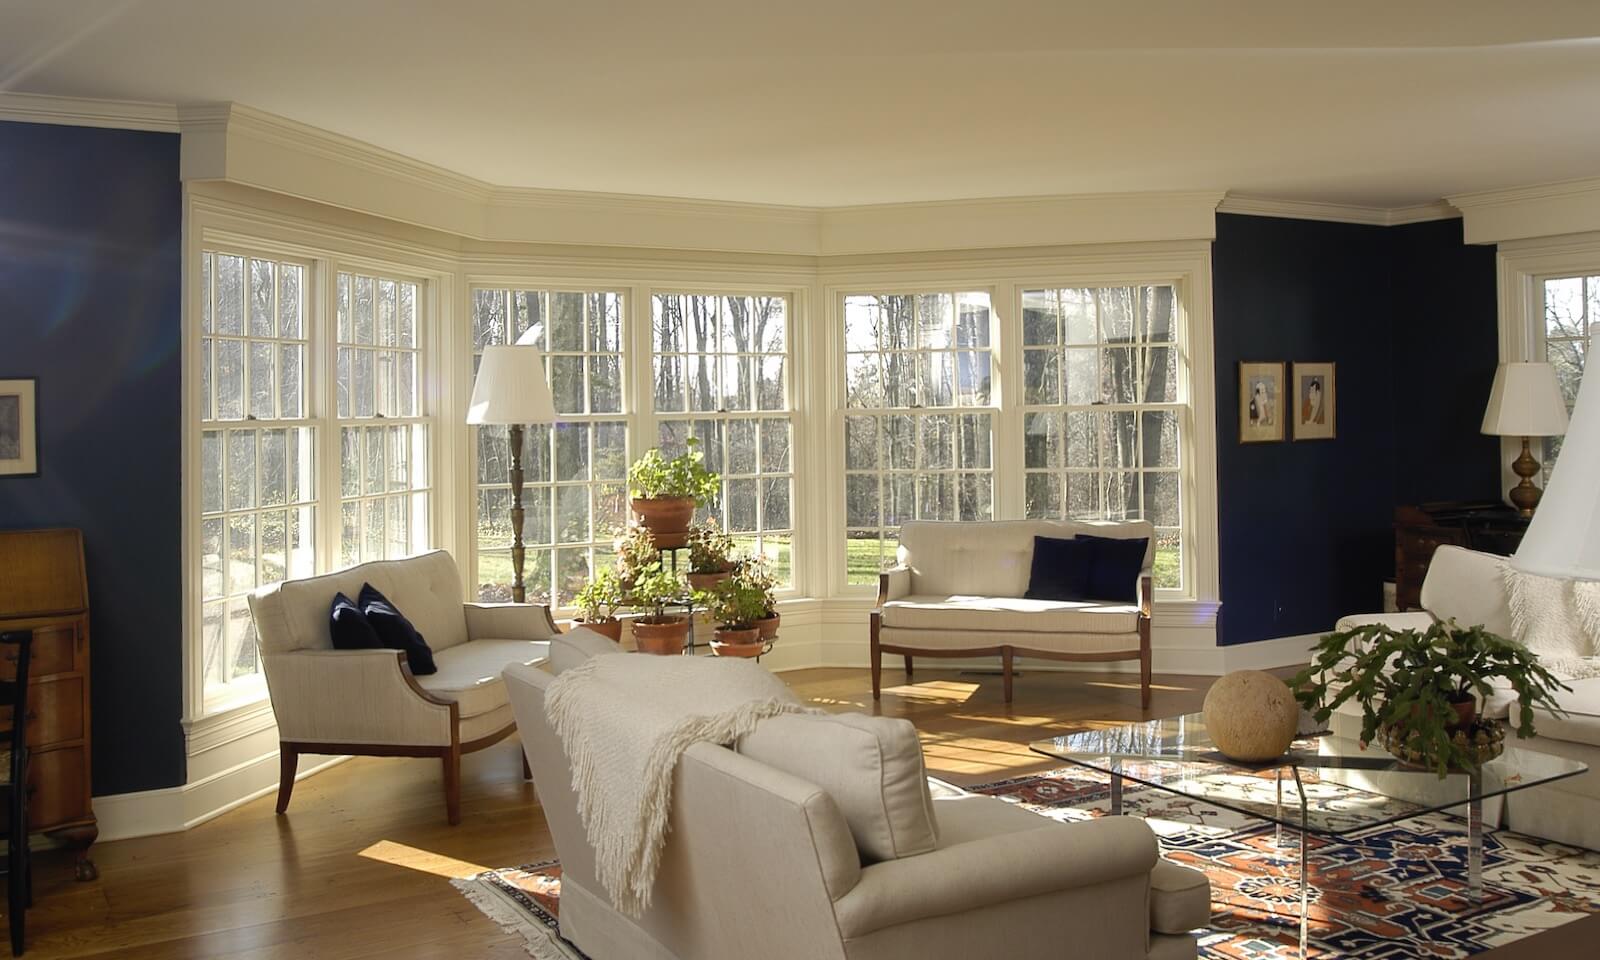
623 722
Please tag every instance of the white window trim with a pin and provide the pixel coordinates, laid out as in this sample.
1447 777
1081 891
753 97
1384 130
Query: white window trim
1522 266
214 221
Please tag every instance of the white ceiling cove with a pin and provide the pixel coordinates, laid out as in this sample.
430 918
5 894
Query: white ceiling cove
840 102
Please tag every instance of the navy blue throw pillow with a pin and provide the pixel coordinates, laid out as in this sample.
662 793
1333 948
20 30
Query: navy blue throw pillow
395 631
1117 563
349 627
1061 569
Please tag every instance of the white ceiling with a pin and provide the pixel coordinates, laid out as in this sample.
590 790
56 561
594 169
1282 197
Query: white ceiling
833 102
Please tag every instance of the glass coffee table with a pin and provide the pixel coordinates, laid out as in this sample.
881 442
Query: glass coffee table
1177 755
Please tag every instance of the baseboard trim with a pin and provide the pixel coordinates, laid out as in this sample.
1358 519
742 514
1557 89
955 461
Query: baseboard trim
147 813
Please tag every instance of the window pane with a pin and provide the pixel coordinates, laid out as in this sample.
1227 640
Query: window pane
261 283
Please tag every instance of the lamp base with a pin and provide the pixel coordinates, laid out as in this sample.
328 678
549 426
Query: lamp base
1525 495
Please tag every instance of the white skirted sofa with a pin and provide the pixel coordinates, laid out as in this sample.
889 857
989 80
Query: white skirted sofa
760 862
1470 588
958 588
367 702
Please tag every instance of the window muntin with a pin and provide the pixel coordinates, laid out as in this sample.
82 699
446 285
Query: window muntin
720 374
1102 424
258 452
919 418
383 438
1571 316
575 472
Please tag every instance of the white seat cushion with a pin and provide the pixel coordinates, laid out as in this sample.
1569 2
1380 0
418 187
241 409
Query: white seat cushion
1010 614
872 768
1582 721
469 673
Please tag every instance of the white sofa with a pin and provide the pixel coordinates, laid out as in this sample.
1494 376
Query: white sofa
762 863
367 702
958 588
1469 587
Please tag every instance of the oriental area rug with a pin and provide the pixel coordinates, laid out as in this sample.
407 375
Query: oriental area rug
1398 891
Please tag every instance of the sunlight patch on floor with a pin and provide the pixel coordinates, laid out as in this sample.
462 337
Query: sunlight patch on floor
935 691
976 756
387 851
1134 685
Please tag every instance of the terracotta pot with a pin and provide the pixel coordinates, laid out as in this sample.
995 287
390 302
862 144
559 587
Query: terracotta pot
664 638
705 581
769 627
609 627
1466 712
737 643
664 516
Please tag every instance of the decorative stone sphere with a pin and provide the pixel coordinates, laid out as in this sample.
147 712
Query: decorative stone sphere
1251 716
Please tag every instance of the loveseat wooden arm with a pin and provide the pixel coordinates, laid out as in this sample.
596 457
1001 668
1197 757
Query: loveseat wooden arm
1147 596
355 697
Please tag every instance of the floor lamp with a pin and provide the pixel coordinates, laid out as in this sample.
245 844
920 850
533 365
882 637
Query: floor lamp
1564 538
512 389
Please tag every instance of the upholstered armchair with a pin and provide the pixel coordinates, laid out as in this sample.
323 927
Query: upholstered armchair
367 702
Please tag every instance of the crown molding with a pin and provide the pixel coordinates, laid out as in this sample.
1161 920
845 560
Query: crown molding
1336 212
85 112
1540 210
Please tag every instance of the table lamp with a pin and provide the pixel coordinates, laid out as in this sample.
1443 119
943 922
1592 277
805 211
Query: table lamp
1526 402
1564 538
512 389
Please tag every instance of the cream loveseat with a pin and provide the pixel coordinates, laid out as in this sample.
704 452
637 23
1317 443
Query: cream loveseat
958 592
763 863
1470 588
367 702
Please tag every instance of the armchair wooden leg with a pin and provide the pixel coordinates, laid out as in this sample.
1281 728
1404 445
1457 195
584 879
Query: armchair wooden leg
877 660
1144 667
1005 670
527 772
452 785
908 666
288 763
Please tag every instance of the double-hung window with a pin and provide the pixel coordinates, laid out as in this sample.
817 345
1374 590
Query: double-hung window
720 374
1102 420
1571 317
574 472
919 417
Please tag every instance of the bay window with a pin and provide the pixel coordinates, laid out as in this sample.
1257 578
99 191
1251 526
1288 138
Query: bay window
1571 316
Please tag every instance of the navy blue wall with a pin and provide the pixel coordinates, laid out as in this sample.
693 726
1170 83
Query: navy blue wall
90 227
1408 314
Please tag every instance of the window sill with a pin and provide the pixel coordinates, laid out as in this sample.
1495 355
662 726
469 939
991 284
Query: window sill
242 713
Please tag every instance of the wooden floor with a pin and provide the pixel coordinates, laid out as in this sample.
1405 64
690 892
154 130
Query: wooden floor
360 865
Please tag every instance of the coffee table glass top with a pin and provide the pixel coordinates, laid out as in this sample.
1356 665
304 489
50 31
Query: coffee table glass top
1347 788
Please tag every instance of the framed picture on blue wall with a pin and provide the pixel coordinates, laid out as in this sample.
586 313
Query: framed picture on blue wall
1314 398
1261 406
19 428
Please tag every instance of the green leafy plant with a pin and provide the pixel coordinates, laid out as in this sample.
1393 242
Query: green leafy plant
755 573
636 550
735 603
654 477
710 550
653 588
1409 681
601 597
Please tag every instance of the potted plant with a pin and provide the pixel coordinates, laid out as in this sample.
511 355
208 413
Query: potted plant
1418 689
665 492
710 556
735 605
653 588
598 603
756 573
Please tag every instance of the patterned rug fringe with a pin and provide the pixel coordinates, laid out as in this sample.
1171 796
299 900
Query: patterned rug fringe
541 943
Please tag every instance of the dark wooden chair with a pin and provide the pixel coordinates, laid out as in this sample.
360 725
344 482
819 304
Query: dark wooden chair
15 647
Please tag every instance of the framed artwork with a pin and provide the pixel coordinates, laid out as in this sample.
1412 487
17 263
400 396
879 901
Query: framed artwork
19 428
1315 401
1261 407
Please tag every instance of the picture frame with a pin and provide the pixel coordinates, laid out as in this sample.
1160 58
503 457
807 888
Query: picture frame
1315 390
19 427
1261 402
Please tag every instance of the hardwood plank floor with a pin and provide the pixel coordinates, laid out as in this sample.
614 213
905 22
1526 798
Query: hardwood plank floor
359 867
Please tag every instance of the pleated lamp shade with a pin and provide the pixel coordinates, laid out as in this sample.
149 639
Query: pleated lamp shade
511 387
1564 538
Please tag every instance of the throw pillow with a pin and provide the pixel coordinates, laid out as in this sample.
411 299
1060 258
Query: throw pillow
349 627
395 631
872 768
1117 564
1544 618
1061 569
